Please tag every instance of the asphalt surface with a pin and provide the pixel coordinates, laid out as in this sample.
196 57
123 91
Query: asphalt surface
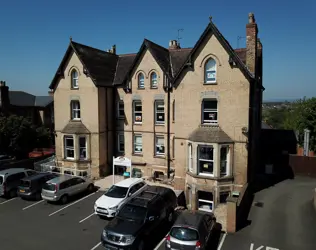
281 218
30 225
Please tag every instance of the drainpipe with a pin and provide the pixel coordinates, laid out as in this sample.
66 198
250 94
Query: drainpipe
168 127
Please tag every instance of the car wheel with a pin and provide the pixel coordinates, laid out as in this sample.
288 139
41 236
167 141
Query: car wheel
12 193
90 188
141 245
64 199
38 196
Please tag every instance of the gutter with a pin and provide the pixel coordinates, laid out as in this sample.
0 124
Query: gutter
168 127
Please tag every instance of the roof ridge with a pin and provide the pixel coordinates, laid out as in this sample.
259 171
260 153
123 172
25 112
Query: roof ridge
94 48
128 54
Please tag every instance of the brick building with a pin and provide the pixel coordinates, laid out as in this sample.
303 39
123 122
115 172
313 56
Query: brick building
192 113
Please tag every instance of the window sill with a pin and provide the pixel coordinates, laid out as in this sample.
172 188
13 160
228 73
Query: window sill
159 124
72 88
153 87
210 83
77 161
137 154
160 156
138 123
209 125
224 178
140 88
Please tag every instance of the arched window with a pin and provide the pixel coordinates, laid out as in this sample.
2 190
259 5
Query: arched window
153 80
141 81
74 79
210 71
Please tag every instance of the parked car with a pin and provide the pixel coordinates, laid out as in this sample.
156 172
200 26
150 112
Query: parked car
140 217
31 186
118 194
192 230
10 180
65 186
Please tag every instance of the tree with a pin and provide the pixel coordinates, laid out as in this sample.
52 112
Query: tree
275 117
303 116
18 136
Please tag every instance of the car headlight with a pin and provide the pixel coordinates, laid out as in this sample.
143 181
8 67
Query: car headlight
113 208
104 233
95 206
128 239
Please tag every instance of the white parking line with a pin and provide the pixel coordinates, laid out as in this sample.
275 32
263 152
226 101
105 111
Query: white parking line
86 218
71 204
33 204
221 242
160 243
7 201
96 246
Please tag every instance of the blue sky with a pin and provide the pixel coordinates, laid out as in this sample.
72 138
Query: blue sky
35 35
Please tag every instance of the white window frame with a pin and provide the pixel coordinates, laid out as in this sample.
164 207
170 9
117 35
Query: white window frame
75 110
139 144
154 81
207 202
69 137
74 79
157 104
119 109
190 157
141 81
227 160
85 147
210 69
120 140
205 160
204 110
157 137
137 113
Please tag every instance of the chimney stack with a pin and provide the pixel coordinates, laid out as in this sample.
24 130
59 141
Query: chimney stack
113 49
51 92
4 96
252 43
173 44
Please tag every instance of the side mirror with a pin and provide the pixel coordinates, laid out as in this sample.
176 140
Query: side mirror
151 218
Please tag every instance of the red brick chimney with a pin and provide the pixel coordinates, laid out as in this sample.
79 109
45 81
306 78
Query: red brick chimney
4 96
251 43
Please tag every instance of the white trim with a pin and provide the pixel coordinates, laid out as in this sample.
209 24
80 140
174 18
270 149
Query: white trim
140 113
205 110
199 160
86 148
74 80
139 144
157 137
75 110
118 142
228 167
69 148
160 103
190 157
204 174
141 82
152 79
214 68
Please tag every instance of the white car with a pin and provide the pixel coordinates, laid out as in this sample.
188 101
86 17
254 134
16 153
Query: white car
118 194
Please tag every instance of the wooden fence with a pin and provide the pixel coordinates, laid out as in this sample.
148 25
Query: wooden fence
303 165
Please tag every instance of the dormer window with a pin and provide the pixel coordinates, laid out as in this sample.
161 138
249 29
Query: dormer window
141 81
74 79
210 71
153 80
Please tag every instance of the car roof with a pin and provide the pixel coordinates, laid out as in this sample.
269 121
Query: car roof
190 218
12 171
62 178
148 195
128 182
37 176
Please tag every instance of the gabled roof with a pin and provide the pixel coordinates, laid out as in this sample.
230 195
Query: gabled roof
100 65
124 63
211 28
21 98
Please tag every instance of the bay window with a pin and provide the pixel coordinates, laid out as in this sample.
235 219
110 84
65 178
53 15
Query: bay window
206 160
69 149
224 157
82 148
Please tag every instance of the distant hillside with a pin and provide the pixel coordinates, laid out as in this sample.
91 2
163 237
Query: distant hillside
279 100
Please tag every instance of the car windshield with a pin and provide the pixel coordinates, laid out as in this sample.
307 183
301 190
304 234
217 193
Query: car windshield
131 212
49 186
1 179
184 233
25 183
116 192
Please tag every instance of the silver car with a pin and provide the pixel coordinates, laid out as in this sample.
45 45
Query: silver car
65 186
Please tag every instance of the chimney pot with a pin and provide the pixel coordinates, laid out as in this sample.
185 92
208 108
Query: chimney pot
113 50
251 18
173 44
